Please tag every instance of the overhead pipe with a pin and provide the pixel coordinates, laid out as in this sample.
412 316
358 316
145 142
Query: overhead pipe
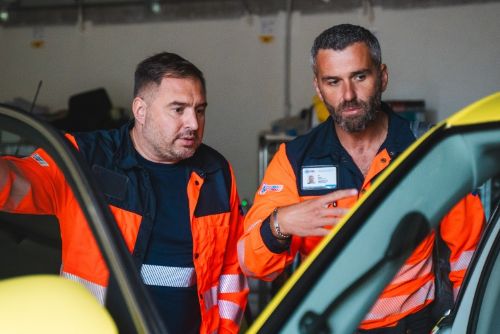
18 6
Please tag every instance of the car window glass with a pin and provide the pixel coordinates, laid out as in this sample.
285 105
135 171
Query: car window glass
354 277
30 234
488 297
49 198
489 194
30 243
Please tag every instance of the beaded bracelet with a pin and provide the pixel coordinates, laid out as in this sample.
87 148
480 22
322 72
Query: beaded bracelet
279 234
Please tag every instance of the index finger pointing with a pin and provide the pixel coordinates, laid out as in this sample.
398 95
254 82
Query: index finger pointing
338 194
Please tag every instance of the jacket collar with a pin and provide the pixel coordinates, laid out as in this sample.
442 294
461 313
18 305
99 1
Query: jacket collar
125 155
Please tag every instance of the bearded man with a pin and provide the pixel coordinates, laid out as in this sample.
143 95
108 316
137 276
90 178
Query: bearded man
344 155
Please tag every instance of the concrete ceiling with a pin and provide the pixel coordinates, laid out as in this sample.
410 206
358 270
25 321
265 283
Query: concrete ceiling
67 12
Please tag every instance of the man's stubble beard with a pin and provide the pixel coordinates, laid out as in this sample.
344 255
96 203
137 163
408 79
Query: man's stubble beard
357 123
168 151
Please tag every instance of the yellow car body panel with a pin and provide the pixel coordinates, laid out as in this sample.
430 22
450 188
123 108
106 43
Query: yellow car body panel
482 111
50 304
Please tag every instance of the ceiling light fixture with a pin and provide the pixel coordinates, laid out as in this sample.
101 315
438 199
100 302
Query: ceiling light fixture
155 7
4 15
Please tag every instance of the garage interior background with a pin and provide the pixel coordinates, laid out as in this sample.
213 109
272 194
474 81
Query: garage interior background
254 53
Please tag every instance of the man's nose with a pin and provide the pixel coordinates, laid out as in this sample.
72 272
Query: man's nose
349 91
191 120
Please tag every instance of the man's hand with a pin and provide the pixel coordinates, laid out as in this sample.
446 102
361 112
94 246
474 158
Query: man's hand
309 218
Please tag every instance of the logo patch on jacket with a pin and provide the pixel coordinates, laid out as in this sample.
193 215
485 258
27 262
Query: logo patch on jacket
270 187
40 160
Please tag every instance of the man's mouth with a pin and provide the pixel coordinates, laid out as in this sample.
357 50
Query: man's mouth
351 110
188 140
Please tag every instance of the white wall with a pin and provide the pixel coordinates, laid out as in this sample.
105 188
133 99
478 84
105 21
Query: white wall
449 56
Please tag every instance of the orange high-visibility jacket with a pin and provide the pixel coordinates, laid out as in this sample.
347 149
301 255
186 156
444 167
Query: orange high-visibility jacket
215 216
285 183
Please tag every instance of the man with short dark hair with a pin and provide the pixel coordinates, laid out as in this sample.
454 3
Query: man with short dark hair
345 154
174 199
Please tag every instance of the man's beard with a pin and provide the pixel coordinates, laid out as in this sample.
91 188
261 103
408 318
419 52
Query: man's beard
360 122
166 148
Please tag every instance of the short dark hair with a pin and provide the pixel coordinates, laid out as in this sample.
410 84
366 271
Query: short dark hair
164 64
341 36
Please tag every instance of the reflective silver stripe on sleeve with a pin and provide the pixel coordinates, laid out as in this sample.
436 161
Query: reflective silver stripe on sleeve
463 261
400 304
240 246
412 271
175 277
232 283
97 290
251 227
241 259
230 311
210 297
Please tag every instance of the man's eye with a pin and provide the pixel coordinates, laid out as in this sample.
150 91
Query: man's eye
361 77
200 111
178 110
332 82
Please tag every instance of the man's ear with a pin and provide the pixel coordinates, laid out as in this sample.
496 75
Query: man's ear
384 76
139 109
316 87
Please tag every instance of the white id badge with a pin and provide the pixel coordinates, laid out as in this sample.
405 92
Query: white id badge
319 177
